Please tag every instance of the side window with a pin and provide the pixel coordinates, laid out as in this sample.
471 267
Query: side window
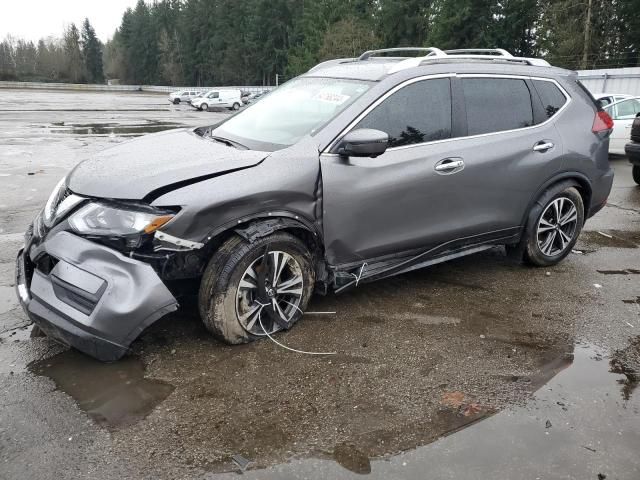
552 97
626 109
417 113
496 104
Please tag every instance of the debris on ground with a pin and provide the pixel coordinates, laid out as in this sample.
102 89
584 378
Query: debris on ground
241 461
452 399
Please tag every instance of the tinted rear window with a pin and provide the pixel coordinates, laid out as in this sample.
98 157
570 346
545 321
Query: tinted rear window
552 97
417 113
496 104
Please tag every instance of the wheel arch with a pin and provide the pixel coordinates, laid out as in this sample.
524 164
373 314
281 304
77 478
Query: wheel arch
260 225
579 180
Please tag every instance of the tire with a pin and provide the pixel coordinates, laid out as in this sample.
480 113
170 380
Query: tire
236 106
222 300
204 107
176 101
635 171
547 241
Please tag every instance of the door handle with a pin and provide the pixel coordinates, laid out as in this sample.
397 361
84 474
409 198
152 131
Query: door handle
449 165
543 146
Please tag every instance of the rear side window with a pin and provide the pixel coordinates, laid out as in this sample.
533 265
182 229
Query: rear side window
552 97
417 113
496 104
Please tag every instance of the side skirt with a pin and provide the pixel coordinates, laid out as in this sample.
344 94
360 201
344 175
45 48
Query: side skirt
369 272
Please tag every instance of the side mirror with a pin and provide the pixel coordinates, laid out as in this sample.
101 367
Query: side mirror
364 142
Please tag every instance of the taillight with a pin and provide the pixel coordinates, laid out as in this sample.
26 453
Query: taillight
602 122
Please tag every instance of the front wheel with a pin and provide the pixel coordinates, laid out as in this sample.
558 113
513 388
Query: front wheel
554 225
635 171
176 101
236 106
204 107
249 290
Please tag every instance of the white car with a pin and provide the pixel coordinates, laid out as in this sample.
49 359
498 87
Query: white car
226 98
623 113
605 99
182 96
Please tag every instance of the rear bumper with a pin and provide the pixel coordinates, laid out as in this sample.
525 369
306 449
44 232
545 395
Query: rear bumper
632 150
94 298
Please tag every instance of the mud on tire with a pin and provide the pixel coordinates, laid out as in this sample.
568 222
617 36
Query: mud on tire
219 287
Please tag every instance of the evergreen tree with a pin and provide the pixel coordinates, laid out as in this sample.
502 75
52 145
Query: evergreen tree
461 24
74 64
91 53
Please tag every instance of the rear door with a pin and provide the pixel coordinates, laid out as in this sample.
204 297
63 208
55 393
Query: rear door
511 147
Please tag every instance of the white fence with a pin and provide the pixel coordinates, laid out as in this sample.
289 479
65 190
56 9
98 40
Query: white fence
121 88
612 80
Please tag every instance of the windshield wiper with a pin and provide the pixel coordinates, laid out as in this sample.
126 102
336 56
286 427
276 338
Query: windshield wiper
229 143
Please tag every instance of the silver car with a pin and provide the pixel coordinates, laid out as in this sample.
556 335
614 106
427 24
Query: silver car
360 169
183 96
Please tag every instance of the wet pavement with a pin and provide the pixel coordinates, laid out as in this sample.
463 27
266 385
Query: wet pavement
478 368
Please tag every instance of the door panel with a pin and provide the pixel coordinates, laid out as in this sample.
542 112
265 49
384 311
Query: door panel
398 202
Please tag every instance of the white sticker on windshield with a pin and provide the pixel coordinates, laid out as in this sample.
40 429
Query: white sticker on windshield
331 97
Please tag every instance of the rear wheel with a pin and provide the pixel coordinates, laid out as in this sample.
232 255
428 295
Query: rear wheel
554 225
249 290
236 106
635 171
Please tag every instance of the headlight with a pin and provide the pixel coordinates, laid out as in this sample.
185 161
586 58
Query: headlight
102 219
49 212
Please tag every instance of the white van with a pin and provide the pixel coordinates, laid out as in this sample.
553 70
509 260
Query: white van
227 98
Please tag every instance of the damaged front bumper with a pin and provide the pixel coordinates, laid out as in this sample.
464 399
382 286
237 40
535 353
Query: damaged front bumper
92 298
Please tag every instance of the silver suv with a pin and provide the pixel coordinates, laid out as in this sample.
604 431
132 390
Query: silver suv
360 169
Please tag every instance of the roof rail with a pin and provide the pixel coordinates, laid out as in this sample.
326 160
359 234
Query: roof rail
480 51
435 54
431 51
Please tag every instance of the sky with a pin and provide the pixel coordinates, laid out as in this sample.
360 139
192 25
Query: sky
35 19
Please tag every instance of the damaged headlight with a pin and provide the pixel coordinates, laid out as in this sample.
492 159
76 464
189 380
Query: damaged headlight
60 202
103 219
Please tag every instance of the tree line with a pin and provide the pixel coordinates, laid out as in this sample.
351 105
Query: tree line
75 58
243 42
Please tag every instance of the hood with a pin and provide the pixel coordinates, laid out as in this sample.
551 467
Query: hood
157 163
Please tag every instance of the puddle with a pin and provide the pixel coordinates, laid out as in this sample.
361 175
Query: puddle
351 458
8 299
611 238
113 128
574 426
112 394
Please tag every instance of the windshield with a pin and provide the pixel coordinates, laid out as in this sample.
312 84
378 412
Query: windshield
297 108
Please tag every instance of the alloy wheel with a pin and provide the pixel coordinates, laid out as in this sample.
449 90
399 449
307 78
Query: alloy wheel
269 293
557 226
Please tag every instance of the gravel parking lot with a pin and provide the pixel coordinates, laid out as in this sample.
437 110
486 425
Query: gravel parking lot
477 368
